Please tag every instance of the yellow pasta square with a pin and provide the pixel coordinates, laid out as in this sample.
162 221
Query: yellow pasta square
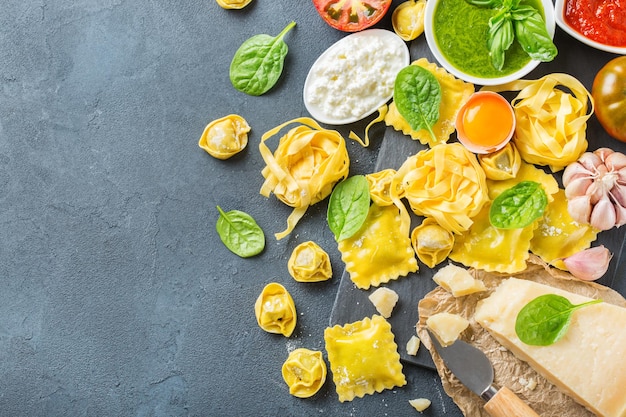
378 252
363 358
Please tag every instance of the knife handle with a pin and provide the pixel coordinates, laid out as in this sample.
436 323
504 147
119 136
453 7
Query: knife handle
506 404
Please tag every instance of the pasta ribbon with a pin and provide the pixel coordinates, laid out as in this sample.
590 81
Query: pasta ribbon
304 168
444 182
551 123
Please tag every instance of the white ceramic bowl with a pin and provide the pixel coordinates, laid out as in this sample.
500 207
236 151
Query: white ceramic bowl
434 48
559 12
359 64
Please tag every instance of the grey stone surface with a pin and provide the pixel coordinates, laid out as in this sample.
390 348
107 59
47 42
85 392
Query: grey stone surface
116 296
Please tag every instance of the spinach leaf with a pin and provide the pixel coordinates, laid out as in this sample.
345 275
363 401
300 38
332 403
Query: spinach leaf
240 233
518 206
501 37
258 63
348 207
532 35
546 319
417 95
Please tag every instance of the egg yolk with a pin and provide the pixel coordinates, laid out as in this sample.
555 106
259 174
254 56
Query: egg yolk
486 121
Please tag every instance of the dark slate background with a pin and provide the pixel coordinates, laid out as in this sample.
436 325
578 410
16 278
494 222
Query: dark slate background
116 296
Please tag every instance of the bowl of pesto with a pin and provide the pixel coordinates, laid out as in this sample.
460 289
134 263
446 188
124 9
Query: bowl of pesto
490 42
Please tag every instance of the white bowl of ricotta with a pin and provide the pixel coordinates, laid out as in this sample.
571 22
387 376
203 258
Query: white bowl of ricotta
355 76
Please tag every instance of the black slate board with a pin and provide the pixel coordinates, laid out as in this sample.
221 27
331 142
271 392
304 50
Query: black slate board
352 304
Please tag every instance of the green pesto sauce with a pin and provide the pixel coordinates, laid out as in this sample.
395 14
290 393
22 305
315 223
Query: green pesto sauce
461 31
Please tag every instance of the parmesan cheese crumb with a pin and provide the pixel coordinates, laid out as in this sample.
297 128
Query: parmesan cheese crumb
413 345
420 404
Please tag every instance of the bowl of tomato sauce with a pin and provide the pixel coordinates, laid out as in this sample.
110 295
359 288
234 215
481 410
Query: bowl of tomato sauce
600 24
458 35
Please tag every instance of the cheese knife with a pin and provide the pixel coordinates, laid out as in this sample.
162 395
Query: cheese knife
473 368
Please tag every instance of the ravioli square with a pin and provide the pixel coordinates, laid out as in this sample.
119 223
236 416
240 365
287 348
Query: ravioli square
363 358
381 250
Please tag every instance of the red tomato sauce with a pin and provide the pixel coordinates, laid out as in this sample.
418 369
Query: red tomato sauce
603 21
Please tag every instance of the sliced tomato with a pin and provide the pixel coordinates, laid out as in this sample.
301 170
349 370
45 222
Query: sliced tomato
352 15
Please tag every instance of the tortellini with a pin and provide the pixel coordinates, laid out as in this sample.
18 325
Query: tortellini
304 372
408 19
502 164
446 183
304 168
225 137
233 4
309 263
454 94
363 358
379 183
431 242
551 123
275 310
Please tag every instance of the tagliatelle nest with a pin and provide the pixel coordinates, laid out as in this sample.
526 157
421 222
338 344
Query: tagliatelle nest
304 168
550 123
446 183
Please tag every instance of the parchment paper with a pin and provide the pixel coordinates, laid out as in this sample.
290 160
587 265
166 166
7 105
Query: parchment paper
546 399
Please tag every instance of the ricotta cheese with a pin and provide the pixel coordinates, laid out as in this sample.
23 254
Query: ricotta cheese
355 76
588 363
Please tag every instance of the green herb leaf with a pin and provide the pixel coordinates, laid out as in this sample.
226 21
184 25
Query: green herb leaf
258 63
532 35
348 207
546 319
240 233
485 3
518 206
501 37
417 95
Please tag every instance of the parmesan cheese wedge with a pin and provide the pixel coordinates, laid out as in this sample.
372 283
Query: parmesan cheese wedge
588 363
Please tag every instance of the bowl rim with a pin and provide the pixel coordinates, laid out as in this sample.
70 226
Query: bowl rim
559 12
432 45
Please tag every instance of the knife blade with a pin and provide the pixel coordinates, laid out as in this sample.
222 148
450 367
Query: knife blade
473 368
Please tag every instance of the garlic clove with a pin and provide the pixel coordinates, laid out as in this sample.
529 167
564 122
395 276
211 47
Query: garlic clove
621 176
615 161
590 161
596 192
580 208
578 186
589 264
620 212
575 171
603 153
618 194
603 215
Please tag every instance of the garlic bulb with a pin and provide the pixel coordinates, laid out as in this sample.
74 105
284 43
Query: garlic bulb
595 187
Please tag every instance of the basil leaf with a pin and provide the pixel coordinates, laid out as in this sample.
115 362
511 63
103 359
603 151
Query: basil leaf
240 233
518 206
417 95
500 38
532 34
258 63
546 319
348 207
